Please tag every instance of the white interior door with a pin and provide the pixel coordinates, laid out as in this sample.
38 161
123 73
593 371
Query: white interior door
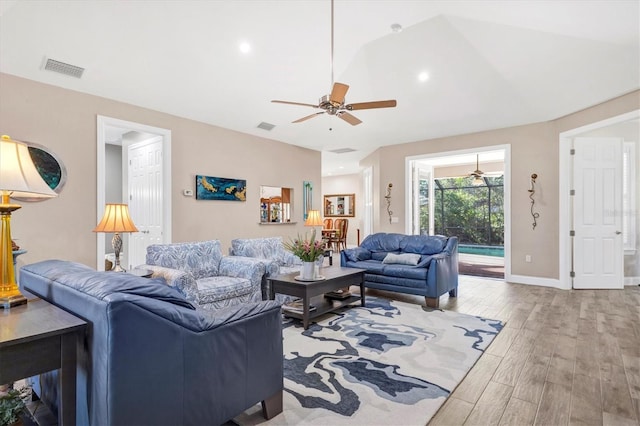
145 197
598 254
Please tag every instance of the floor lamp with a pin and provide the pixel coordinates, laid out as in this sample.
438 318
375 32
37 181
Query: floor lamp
18 178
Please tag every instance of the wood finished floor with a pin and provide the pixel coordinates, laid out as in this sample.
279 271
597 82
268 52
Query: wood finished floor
565 357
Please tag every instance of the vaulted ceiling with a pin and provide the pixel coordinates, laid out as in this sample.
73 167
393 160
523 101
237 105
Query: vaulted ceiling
489 64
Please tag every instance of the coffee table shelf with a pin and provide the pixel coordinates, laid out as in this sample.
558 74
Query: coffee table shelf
312 293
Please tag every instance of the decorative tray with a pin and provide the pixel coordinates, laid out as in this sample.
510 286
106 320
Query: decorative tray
318 278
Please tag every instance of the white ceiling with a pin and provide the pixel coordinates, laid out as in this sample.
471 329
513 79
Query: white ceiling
491 64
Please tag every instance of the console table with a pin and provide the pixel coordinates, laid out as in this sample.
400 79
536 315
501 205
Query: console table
40 337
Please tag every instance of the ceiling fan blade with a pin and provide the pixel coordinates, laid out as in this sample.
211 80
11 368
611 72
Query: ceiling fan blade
370 105
354 121
338 93
294 103
308 117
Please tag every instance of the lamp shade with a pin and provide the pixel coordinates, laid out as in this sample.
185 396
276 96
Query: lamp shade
116 219
313 218
18 175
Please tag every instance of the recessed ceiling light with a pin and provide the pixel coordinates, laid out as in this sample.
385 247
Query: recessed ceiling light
423 76
396 28
245 47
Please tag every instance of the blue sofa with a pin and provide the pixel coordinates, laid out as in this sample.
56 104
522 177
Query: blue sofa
150 358
413 264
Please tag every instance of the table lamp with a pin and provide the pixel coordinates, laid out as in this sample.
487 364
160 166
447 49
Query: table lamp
18 178
116 219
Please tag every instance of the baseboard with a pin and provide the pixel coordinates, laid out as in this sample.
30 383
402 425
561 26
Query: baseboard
543 282
631 280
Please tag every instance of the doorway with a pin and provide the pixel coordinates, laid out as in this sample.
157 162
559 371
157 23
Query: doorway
119 186
609 271
436 179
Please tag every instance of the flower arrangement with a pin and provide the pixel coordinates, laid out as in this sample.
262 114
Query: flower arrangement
306 250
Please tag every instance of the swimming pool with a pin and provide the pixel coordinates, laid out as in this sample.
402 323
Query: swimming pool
497 251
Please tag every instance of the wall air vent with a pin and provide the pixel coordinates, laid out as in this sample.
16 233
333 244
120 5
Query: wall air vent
342 150
266 126
63 68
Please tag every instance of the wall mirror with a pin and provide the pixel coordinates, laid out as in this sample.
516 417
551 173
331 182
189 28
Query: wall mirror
340 205
275 204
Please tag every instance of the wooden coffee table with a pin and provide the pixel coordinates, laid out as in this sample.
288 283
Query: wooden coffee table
313 292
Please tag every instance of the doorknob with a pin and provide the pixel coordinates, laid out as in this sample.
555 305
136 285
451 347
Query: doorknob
145 232
618 232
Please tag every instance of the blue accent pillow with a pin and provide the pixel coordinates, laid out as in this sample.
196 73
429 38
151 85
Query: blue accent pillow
357 254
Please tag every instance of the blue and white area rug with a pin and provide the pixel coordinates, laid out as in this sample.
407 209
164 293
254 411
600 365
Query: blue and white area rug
388 363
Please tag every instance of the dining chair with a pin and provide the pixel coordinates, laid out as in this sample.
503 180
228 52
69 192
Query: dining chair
339 239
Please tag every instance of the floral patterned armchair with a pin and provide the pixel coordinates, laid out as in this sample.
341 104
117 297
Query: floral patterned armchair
204 276
272 252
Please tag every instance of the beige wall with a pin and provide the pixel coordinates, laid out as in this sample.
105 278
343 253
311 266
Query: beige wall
347 184
534 149
65 122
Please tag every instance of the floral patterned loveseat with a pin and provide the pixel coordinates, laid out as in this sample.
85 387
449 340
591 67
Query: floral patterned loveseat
204 276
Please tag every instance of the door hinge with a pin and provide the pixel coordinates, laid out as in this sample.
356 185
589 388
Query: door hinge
572 151
572 233
572 192
130 197
572 274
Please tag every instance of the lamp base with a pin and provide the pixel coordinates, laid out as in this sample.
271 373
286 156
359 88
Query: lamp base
11 301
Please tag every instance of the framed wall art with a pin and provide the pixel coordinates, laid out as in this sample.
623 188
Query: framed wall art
217 188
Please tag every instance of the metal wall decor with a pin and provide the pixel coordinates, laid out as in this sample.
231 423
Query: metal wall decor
307 198
532 191
388 198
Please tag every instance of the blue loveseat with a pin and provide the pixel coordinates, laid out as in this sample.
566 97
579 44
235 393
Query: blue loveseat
413 264
150 358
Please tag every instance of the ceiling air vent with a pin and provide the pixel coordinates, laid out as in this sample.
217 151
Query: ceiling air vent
342 150
62 68
266 126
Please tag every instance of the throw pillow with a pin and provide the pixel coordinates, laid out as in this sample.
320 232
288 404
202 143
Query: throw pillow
402 258
357 254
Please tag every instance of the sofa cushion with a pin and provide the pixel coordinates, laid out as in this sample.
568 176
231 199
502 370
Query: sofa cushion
213 289
357 253
201 259
423 244
406 271
379 255
381 241
402 258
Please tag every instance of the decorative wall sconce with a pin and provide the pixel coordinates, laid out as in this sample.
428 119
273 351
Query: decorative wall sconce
388 198
532 191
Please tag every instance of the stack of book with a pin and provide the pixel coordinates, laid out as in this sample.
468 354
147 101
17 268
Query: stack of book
338 294
296 306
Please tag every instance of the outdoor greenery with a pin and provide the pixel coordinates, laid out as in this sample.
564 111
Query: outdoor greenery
475 214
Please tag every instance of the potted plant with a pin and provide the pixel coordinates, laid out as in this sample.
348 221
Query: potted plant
308 251
12 405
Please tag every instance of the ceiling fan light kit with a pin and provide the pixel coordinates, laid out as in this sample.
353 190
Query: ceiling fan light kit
334 103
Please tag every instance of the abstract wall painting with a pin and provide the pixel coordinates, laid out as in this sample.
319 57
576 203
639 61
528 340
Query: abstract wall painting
216 188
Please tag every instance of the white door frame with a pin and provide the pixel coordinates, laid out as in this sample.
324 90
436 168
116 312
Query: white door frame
507 192
101 137
565 173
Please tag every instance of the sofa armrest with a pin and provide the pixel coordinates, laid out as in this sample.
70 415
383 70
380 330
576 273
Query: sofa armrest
249 268
182 281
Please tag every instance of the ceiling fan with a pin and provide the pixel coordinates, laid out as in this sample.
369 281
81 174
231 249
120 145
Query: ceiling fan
477 173
334 103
